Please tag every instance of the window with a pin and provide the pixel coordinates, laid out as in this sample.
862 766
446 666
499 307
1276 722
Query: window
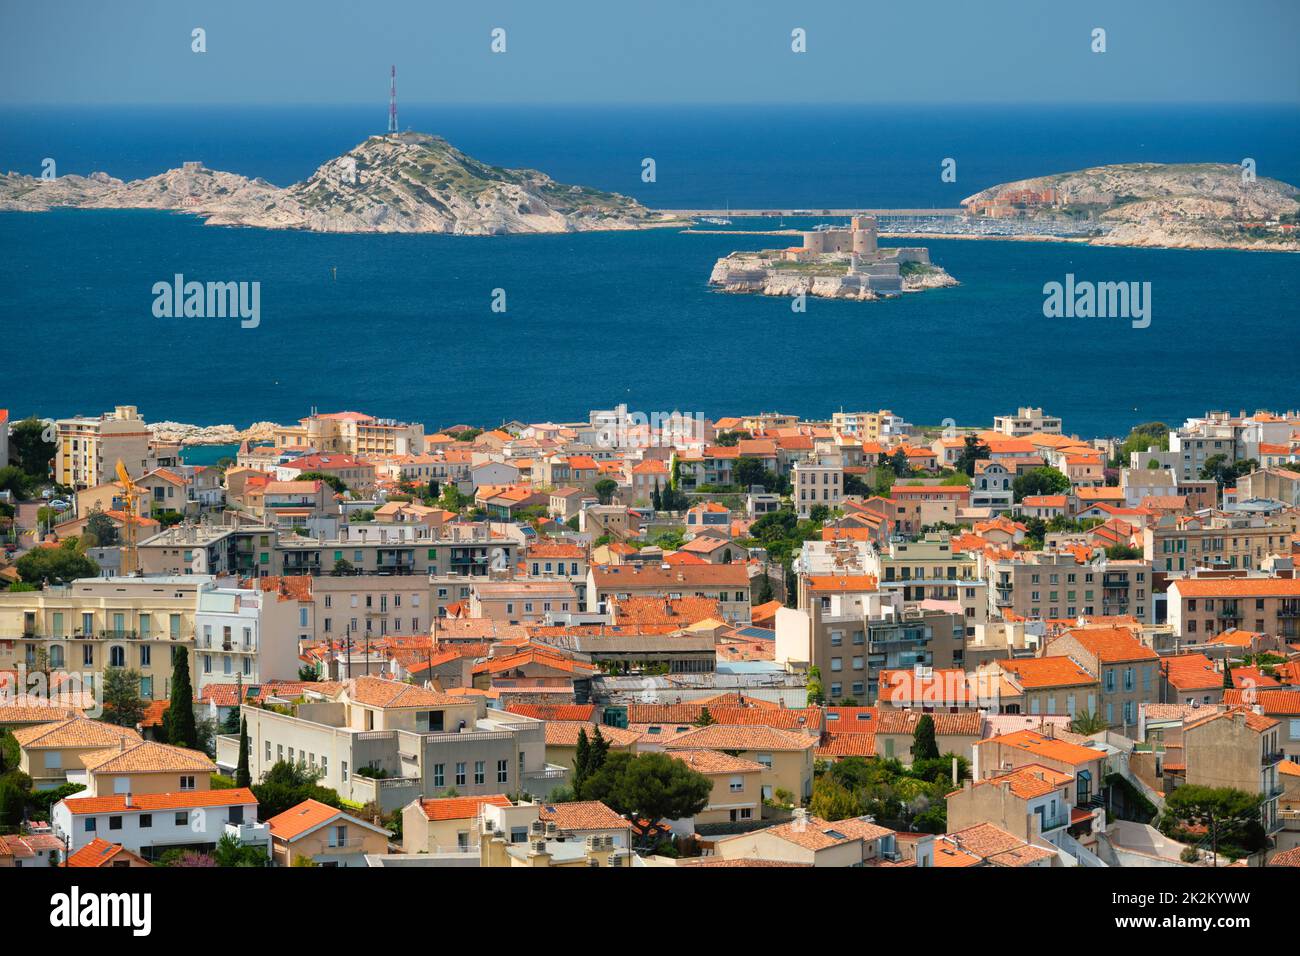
503 771
90 824
115 823
737 784
460 774
478 771
187 782
439 775
146 821
182 818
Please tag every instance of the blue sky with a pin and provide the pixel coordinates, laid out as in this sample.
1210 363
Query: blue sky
657 51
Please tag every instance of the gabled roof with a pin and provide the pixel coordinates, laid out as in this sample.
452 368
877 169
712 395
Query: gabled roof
582 815
147 756
1046 747
151 802
715 762
732 737
297 822
99 852
1112 645
73 732
381 693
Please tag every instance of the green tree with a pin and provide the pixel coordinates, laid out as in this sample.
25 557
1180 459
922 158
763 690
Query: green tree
581 760
818 514
816 692
178 718
1230 818
924 745
29 450
1087 724
833 801
1227 674
242 776
899 464
765 593
122 703
342 566
656 500
59 565
1142 437
230 852
605 489
100 526
651 786
289 784
334 481
973 450
1122 552
705 718
1040 481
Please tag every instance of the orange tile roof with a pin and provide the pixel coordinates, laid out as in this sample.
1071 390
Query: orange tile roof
715 762
307 816
1190 672
733 737
1040 746
1038 672
1238 587
147 756
149 802
1031 780
461 808
378 692
582 815
72 733
1112 645
99 852
847 745
843 582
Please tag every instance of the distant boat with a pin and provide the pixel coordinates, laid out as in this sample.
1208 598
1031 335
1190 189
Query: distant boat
716 221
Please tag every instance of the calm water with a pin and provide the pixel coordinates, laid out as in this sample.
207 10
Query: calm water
406 330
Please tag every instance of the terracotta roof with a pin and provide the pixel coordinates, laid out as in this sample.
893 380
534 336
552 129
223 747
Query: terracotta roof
307 816
72 733
843 582
1190 672
564 733
149 802
1112 645
461 808
792 718
962 724
731 737
715 762
1031 780
378 692
1284 703
1050 748
578 712
656 610
1237 587
1289 857
99 852
997 846
1252 721
847 745
616 576
147 756
818 834
1038 672
581 815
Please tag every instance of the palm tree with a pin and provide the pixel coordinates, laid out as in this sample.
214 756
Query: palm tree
1088 724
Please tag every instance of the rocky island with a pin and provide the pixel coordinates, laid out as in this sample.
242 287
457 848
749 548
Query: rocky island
1185 206
832 264
403 182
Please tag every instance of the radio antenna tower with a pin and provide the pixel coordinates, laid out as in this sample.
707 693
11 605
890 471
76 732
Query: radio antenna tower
392 102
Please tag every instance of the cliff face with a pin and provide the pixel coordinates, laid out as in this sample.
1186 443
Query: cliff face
1201 205
410 182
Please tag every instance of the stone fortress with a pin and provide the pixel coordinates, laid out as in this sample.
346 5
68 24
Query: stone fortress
852 265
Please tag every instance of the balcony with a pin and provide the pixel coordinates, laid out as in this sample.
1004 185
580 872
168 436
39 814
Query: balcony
1270 757
1049 823
250 834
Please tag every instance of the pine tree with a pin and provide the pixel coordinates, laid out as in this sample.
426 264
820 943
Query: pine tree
242 777
178 720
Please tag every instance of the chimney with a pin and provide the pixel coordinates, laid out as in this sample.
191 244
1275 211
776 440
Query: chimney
126 798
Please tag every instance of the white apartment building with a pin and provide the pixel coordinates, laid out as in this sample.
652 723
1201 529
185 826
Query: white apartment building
1027 421
252 635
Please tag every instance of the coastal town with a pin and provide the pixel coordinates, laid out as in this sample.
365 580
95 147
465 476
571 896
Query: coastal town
651 639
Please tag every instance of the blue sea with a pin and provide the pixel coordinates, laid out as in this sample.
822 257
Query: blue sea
402 326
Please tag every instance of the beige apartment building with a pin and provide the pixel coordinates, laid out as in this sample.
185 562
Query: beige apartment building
1055 585
87 449
522 601
1199 608
1026 421
817 481
48 753
1240 749
1176 544
352 433
96 623
1127 670
728 584
380 740
928 570
737 795
785 756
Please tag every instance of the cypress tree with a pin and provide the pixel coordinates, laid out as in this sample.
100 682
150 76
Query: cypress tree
242 777
924 746
179 718
1227 674
581 763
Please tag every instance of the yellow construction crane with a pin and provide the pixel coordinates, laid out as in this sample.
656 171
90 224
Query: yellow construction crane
131 495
